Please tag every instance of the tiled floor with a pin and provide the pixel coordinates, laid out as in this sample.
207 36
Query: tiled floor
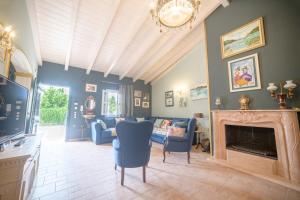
83 170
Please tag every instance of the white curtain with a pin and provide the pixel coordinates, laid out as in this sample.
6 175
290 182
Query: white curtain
126 100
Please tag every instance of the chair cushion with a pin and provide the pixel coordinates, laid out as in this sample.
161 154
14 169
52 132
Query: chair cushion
176 139
102 124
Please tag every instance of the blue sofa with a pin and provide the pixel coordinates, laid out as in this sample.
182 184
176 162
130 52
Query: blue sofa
100 136
160 138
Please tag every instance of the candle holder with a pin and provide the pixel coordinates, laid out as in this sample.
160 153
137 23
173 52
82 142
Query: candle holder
281 97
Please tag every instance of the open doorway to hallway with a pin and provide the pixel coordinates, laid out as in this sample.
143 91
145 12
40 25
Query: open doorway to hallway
52 112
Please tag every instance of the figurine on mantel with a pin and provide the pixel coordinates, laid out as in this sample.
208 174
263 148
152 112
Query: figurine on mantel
281 96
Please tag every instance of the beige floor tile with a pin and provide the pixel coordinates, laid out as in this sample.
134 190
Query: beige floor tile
85 171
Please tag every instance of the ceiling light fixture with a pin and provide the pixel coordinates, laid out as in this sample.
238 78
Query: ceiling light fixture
174 13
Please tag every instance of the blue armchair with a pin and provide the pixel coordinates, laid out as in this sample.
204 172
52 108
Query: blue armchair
132 146
181 144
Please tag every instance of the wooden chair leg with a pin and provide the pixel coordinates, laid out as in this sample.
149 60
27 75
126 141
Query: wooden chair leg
164 153
188 157
115 166
144 174
122 175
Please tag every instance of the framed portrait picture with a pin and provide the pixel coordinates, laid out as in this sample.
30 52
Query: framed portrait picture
200 92
137 93
146 104
137 102
244 74
90 87
169 98
242 39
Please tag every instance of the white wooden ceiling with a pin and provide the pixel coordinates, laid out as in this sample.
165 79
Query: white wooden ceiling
111 36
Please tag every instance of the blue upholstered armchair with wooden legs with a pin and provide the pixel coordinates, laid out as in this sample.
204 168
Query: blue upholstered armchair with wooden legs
132 146
181 144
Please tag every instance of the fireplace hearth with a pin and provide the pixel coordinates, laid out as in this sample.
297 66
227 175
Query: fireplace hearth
262 142
253 140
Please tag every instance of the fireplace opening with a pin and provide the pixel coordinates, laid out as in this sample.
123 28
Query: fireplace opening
253 140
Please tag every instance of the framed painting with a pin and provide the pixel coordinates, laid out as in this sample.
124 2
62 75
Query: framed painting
137 102
90 87
242 39
146 104
137 93
169 98
244 74
200 92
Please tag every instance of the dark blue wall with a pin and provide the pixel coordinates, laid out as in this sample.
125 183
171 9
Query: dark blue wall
278 59
75 79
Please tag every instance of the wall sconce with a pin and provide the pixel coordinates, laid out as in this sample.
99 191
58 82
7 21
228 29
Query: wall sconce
281 97
218 102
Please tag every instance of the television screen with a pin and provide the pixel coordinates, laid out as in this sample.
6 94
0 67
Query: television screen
13 104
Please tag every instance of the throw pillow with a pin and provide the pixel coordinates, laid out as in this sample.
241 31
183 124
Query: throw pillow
119 119
176 131
166 123
158 122
141 119
102 124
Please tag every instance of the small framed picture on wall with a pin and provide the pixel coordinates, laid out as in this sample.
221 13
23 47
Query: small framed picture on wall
146 104
137 102
138 93
90 87
169 98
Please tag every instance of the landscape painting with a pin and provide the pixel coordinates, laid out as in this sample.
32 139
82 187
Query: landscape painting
244 74
245 38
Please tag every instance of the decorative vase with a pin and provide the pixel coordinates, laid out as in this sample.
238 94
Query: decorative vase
282 100
244 102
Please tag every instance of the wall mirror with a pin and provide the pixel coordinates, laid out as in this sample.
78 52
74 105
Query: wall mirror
90 103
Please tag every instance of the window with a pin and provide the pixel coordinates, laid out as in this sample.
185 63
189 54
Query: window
110 103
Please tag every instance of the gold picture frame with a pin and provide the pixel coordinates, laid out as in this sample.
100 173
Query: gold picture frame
245 38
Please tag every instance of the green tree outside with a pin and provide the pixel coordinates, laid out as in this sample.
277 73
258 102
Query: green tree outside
54 104
112 105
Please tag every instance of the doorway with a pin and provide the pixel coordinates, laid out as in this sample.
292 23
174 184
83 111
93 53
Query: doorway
52 112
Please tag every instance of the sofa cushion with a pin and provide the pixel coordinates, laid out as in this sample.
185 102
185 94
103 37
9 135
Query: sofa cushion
158 122
131 119
160 131
110 122
166 123
140 119
102 124
176 131
119 119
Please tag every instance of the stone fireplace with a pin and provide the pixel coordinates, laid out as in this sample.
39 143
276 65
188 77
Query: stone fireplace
265 142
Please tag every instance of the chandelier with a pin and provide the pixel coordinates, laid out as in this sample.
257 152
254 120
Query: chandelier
6 36
174 13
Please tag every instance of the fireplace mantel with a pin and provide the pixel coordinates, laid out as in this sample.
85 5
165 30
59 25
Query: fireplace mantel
287 135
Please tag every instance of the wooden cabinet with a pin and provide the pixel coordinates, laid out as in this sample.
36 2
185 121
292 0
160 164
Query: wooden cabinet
18 169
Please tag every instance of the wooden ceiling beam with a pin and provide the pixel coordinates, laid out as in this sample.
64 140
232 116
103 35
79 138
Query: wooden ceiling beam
169 60
142 22
101 41
74 17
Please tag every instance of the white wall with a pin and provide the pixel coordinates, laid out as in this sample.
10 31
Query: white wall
186 74
14 13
